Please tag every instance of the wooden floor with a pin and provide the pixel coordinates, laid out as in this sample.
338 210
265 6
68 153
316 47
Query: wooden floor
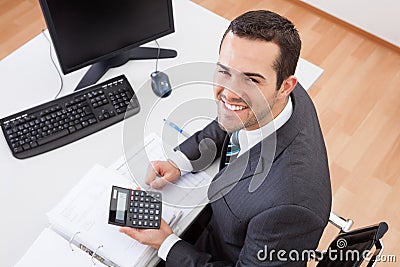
20 21
357 100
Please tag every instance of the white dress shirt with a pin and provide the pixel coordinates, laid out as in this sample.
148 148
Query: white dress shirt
247 139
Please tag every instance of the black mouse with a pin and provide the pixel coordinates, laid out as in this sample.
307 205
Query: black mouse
160 84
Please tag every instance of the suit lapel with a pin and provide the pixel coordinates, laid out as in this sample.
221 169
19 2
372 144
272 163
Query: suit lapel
246 166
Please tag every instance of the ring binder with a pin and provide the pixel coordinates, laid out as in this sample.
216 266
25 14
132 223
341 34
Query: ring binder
70 242
71 239
94 254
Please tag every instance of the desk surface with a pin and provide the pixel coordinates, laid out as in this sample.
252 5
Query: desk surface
31 187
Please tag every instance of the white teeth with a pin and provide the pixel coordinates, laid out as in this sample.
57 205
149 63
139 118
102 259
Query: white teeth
232 107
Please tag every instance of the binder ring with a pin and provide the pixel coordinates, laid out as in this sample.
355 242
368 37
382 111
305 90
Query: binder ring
71 239
95 252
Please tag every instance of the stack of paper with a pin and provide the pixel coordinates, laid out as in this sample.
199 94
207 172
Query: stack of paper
79 233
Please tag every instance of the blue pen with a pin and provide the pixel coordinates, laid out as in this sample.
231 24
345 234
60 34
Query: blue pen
176 127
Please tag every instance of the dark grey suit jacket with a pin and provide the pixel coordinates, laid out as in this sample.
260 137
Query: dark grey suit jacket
287 212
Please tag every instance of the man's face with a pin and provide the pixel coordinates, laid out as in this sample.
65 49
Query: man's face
245 83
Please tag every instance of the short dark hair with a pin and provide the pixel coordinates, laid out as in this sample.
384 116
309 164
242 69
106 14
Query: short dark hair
271 27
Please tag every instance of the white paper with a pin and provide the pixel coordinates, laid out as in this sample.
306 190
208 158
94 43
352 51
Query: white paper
85 209
194 186
189 191
50 250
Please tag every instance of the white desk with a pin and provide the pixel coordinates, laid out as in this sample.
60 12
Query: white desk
31 187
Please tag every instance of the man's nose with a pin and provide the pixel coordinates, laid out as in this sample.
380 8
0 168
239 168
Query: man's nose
231 94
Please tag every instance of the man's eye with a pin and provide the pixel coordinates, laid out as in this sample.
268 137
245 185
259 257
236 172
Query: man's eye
253 80
224 72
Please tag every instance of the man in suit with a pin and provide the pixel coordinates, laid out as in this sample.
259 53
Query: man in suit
272 202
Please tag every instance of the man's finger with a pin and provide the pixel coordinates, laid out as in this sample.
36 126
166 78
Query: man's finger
151 174
159 183
132 232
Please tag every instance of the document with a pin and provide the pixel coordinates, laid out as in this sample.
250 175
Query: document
50 249
80 220
79 233
189 191
85 210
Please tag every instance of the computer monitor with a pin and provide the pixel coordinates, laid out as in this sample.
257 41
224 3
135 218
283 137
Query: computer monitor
106 33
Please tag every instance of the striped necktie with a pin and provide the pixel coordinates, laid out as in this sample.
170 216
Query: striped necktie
233 148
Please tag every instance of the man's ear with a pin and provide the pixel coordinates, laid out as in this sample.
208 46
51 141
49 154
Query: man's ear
287 87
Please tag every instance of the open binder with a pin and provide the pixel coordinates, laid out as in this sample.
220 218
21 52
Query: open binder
79 234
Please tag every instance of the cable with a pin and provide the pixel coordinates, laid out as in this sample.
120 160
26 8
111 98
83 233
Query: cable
158 54
55 66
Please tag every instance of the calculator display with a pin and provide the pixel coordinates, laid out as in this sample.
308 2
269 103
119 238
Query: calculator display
121 206
118 205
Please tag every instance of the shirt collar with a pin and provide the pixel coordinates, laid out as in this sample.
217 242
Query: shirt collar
248 139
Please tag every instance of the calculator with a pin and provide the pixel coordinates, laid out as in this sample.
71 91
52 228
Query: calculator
135 208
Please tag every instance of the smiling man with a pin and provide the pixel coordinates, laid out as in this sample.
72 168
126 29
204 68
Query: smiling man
241 105
259 103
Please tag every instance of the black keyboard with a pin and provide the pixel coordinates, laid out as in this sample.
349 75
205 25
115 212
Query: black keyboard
69 118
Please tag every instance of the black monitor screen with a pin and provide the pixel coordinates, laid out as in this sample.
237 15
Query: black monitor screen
86 31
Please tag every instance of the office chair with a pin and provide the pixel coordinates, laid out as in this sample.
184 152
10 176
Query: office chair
351 247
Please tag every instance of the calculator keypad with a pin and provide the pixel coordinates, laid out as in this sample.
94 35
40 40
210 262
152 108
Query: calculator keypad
144 209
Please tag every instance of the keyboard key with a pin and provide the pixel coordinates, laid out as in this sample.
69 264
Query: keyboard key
53 137
33 144
71 129
18 149
26 146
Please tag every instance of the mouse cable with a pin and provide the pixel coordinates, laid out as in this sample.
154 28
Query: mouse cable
55 66
158 53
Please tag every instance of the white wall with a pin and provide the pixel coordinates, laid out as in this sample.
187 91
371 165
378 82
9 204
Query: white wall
378 17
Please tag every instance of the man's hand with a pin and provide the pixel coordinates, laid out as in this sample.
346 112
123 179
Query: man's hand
150 237
166 171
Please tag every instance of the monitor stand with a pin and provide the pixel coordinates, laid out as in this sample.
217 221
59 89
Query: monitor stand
98 69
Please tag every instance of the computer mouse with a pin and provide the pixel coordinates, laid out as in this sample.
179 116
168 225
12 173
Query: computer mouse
160 84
